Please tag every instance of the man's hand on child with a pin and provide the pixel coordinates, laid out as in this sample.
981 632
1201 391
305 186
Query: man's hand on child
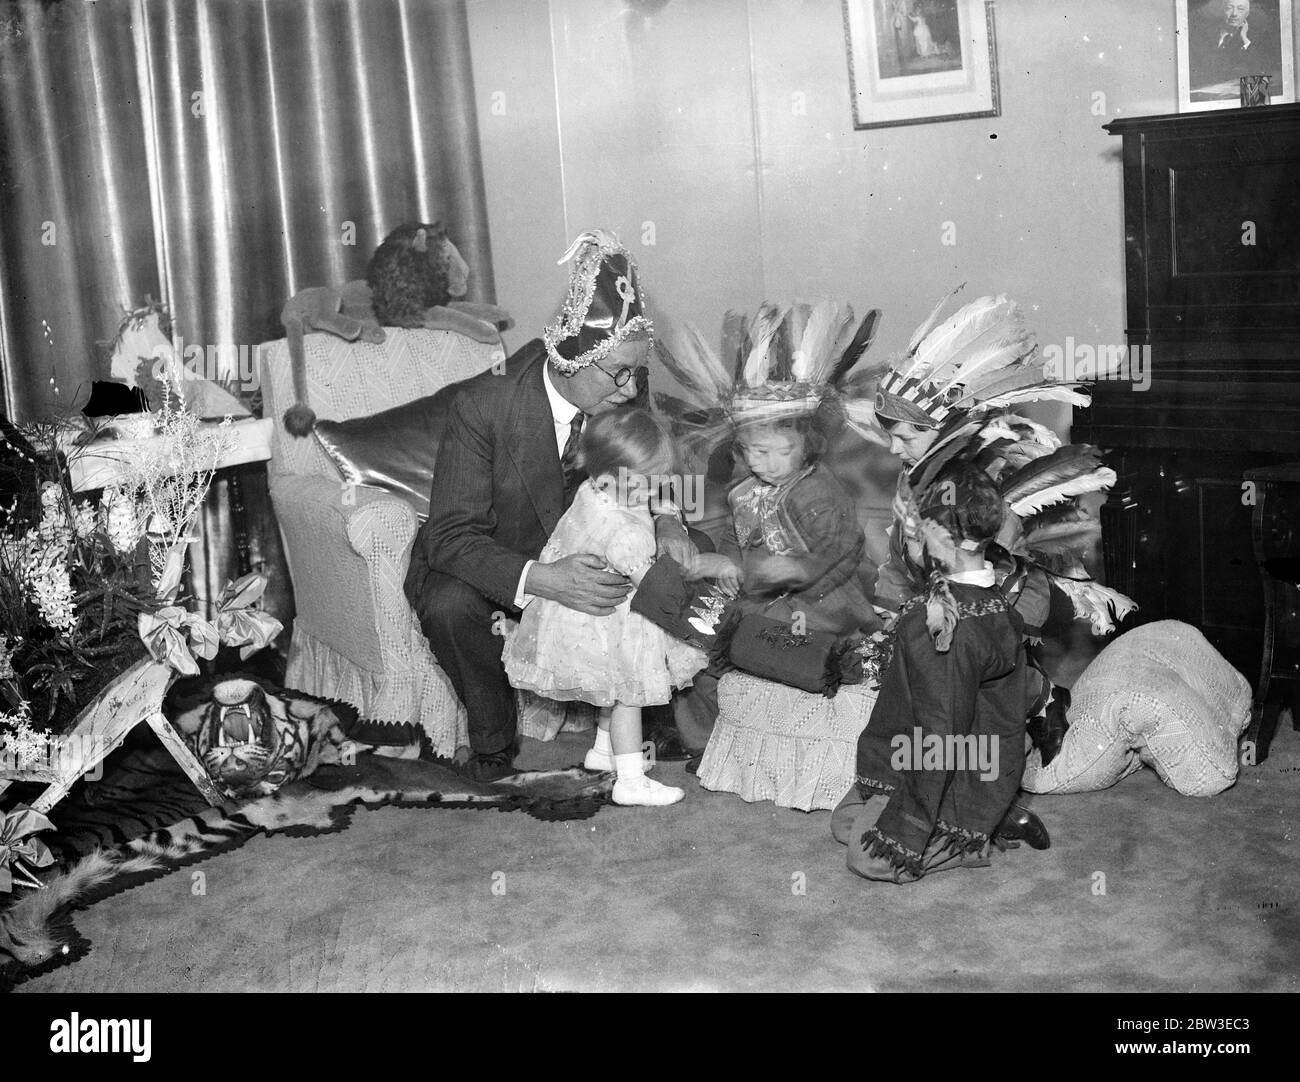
579 582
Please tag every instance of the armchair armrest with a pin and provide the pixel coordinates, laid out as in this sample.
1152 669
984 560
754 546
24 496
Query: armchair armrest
381 518
348 549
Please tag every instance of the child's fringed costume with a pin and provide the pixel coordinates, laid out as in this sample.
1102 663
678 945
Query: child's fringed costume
801 547
946 740
799 541
961 377
808 523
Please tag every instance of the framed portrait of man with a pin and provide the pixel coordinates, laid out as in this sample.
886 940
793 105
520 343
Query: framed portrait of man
920 61
1222 41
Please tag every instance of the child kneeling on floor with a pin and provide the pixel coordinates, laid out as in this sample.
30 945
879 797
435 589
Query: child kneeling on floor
620 662
941 757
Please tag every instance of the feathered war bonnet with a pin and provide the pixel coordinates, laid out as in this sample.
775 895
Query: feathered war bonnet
962 376
979 358
604 306
786 362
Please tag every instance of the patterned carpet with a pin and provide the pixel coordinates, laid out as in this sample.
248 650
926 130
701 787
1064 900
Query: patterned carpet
1142 890
145 807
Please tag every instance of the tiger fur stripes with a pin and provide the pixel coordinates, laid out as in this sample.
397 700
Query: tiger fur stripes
102 857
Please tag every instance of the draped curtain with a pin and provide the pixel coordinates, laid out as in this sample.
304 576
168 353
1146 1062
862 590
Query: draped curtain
219 155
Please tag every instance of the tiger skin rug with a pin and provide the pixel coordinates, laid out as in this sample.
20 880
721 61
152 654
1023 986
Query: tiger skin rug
144 819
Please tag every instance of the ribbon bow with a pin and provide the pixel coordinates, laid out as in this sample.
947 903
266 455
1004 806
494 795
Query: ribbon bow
19 852
169 579
171 633
239 623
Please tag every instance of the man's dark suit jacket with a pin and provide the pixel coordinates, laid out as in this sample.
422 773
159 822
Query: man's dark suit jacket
498 490
1212 64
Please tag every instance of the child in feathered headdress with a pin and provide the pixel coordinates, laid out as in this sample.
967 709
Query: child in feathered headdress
949 397
793 547
940 760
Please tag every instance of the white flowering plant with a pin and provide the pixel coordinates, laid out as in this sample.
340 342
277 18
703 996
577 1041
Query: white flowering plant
80 576
74 575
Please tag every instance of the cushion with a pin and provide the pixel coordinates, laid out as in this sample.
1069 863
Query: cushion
1160 695
774 742
394 450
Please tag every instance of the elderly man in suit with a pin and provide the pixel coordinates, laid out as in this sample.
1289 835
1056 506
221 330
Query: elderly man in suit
507 470
1229 39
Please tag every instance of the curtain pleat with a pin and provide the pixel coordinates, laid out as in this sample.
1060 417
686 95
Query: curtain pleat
75 234
223 154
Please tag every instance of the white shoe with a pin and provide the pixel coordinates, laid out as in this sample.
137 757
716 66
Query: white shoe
598 760
645 792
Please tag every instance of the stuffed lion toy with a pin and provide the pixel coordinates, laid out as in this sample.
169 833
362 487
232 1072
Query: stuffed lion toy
411 282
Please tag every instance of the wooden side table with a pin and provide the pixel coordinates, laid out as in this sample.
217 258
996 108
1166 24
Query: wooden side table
102 463
1275 531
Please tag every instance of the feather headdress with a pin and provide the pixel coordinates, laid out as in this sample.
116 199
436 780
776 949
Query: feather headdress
979 358
787 361
1042 483
1068 471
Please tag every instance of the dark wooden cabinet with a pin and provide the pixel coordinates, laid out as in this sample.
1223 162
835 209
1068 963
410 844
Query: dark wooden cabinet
1212 237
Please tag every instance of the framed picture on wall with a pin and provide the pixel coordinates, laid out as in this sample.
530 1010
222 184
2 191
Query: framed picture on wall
920 61
1220 41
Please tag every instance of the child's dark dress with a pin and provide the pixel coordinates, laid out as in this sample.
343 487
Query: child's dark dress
980 687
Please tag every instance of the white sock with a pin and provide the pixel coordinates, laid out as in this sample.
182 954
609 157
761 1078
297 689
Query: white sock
629 766
603 745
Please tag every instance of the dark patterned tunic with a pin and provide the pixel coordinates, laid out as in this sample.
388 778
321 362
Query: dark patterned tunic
801 547
944 786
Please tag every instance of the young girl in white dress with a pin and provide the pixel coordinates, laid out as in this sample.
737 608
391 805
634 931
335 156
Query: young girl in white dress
620 662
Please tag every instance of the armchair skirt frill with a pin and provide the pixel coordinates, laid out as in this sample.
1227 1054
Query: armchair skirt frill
355 637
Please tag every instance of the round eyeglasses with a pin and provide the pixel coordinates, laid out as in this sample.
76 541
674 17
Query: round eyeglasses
620 377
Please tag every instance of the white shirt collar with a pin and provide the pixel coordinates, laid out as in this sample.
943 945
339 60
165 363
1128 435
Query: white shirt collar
982 577
562 409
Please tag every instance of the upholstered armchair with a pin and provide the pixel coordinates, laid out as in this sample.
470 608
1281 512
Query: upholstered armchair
355 637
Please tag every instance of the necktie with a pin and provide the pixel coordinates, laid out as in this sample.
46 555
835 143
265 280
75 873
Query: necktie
573 474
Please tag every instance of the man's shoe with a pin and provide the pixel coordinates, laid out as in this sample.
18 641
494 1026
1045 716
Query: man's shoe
1022 825
489 766
693 762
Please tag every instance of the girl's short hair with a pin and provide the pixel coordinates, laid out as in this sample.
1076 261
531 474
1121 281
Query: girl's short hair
804 428
630 438
964 500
